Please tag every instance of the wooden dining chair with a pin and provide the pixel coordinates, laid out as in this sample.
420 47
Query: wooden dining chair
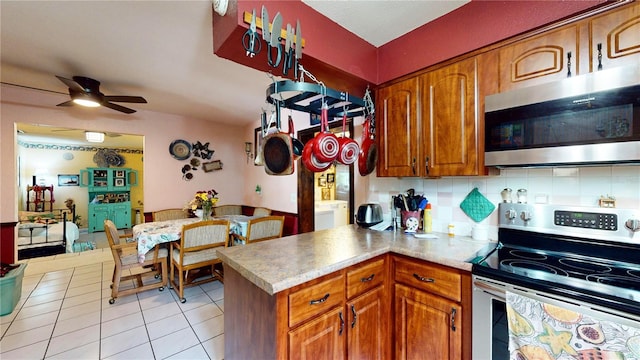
197 249
125 256
261 211
262 228
169 214
227 210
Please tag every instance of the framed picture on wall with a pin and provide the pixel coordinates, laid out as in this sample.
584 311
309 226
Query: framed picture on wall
68 180
322 181
119 182
331 178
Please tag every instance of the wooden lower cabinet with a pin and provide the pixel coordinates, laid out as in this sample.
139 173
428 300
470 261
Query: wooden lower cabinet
363 312
425 325
321 338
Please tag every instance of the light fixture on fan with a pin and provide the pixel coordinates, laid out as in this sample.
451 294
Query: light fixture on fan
247 150
94 137
87 100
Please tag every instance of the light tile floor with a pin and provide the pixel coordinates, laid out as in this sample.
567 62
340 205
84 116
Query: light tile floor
64 313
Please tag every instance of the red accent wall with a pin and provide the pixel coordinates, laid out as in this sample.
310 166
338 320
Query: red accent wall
347 62
7 245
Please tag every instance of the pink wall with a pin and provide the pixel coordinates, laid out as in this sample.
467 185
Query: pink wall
163 184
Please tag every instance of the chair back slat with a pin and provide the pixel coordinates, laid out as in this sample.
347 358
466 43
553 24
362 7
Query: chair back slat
261 211
265 228
169 214
227 210
204 234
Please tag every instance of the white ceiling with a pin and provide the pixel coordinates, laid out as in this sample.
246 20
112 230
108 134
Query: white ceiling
163 50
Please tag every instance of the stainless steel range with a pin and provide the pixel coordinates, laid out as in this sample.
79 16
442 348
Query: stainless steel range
582 259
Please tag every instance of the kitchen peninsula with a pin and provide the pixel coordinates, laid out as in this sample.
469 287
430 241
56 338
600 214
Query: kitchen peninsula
335 292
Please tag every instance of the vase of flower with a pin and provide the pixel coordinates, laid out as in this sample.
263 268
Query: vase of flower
202 203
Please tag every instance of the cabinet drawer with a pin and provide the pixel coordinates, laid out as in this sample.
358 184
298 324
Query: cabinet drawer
365 277
434 279
315 299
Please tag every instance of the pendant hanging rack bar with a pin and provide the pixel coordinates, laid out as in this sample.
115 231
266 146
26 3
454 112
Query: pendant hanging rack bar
308 97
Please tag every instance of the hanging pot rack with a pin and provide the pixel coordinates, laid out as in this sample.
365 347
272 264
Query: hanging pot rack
308 97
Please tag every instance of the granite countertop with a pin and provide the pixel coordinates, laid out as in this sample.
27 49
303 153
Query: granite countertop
279 264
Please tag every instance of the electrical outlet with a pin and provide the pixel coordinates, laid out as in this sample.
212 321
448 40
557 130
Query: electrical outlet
293 198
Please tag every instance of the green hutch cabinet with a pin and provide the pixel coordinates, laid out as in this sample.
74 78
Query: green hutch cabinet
109 196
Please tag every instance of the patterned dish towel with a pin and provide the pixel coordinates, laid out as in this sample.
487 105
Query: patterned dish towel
476 206
543 331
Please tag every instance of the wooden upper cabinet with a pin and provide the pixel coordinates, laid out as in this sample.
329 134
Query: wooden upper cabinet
397 129
449 120
618 33
539 59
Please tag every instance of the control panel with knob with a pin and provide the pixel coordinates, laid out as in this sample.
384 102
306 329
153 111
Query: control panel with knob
526 216
510 214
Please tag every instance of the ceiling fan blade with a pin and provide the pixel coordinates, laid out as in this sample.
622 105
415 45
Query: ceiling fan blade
117 107
71 84
127 99
66 103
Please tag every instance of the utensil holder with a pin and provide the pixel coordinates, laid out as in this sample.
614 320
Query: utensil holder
404 215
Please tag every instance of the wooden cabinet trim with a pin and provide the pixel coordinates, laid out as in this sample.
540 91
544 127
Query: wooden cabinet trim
366 277
315 299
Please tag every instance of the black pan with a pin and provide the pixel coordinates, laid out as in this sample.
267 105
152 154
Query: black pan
277 151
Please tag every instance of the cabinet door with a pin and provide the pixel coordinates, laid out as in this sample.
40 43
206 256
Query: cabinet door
321 338
426 326
397 129
121 215
97 215
449 126
367 326
617 33
540 59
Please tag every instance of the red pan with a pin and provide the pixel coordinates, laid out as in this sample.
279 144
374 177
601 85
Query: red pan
368 151
349 148
310 161
326 146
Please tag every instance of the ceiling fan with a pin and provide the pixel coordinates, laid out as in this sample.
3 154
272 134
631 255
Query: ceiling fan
86 91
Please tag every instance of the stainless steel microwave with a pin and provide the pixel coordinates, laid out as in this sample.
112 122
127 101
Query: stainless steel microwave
590 119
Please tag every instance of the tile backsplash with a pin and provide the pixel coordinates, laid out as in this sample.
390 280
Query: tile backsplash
581 186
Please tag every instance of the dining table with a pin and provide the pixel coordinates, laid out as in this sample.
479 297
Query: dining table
149 235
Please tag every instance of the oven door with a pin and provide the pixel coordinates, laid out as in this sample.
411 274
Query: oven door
490 331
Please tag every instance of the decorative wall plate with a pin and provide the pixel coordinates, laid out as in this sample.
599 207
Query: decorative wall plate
180 149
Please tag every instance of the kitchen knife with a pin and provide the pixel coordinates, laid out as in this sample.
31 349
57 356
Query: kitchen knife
288 51
298 49
276 30
266 34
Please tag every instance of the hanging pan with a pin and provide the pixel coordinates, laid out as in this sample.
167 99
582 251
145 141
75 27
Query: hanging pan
368 151
349 148
326 145
278 151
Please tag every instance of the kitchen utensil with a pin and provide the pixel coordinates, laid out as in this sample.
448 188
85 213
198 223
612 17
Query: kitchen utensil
410 220
310 161
266 32
476 206
369 215
326 146
278 151
275 42
249 38
348 148
288 51
368 151
296 144
298 49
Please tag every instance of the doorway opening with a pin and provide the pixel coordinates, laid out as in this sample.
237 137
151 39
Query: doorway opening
325 199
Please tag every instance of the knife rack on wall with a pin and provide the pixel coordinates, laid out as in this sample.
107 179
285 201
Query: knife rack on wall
283 32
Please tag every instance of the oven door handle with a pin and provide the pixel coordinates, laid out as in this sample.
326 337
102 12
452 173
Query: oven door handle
493 290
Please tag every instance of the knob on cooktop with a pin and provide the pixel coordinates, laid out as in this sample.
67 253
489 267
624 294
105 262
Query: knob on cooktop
633 224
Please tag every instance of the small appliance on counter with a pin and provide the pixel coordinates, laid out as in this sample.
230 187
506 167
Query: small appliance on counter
369 215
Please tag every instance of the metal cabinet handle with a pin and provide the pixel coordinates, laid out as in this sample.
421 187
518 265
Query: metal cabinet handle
355 316
413 166
341 323
424 279
569 64
453 319
426 165
599 46
367 279
319 301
